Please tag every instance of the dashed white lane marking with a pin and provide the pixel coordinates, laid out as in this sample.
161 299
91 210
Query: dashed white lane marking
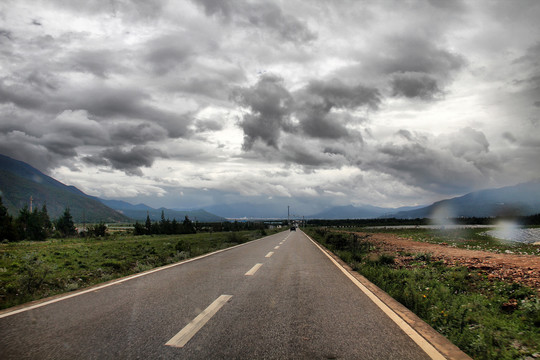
277 247
429 349
181 339
254 269
6 313
269 254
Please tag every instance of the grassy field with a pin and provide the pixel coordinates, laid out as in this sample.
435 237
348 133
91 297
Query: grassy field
32 270
487 319
469 238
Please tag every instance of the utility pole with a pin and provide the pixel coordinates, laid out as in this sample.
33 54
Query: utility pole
288 220
31 203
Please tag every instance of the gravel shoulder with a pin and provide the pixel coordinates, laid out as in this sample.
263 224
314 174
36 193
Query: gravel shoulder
524 269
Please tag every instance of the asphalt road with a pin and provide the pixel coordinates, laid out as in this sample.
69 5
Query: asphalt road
296 305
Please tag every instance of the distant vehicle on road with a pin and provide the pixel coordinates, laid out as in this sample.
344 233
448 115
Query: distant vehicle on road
293 228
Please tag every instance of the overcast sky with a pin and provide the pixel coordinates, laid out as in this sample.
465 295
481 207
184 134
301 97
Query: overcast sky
313 103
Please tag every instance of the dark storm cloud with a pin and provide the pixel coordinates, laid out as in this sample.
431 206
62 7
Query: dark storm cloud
130 161
260 15
270 104
414 66
99 62
123 132
317 107
6 34
20 96
167 52
123 103
335 93
316 102
415 85
417 55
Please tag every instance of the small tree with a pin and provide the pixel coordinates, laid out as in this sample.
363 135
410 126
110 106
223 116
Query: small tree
139 229
65 224
98 230
148 224
7 229
23 223
188 226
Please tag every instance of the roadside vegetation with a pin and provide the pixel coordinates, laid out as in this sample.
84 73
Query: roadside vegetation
486 318
31 270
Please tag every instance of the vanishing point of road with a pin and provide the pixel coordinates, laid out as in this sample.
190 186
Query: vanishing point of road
279 297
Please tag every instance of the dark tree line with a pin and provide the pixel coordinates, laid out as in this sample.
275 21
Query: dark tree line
34 225
164 226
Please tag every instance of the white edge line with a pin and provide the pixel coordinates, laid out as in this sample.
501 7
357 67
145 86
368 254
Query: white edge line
413 334
276 247
121 280
254 269
269 254
181 339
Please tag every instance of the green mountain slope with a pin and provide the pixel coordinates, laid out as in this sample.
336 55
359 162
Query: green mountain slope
19 181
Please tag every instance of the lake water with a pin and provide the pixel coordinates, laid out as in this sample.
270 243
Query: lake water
528 236
503 232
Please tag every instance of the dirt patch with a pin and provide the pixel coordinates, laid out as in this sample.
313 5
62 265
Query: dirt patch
523 269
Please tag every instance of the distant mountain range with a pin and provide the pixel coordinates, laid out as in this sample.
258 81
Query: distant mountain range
140 211
249 211
518 200
359 212
20 181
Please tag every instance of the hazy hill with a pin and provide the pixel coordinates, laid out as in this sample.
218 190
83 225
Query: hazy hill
19 181
139 212
522 199
357 212
249 210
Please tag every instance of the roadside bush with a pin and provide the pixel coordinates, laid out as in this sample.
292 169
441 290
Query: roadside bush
183 245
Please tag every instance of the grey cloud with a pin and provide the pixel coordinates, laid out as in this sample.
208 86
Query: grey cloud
125 103
18 95
316 102
260 15
129 11
132 133
509 137
6 34
449 163
167 52
270 104
203 85
417 55
130 160
316 122
337 94
414 66
99 62
468 143
415 85
424 167
208 125
305 155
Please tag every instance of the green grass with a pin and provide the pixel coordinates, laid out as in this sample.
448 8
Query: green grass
486 319
470 238
32 270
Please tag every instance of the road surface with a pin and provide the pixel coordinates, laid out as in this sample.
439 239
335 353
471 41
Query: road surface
279 297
